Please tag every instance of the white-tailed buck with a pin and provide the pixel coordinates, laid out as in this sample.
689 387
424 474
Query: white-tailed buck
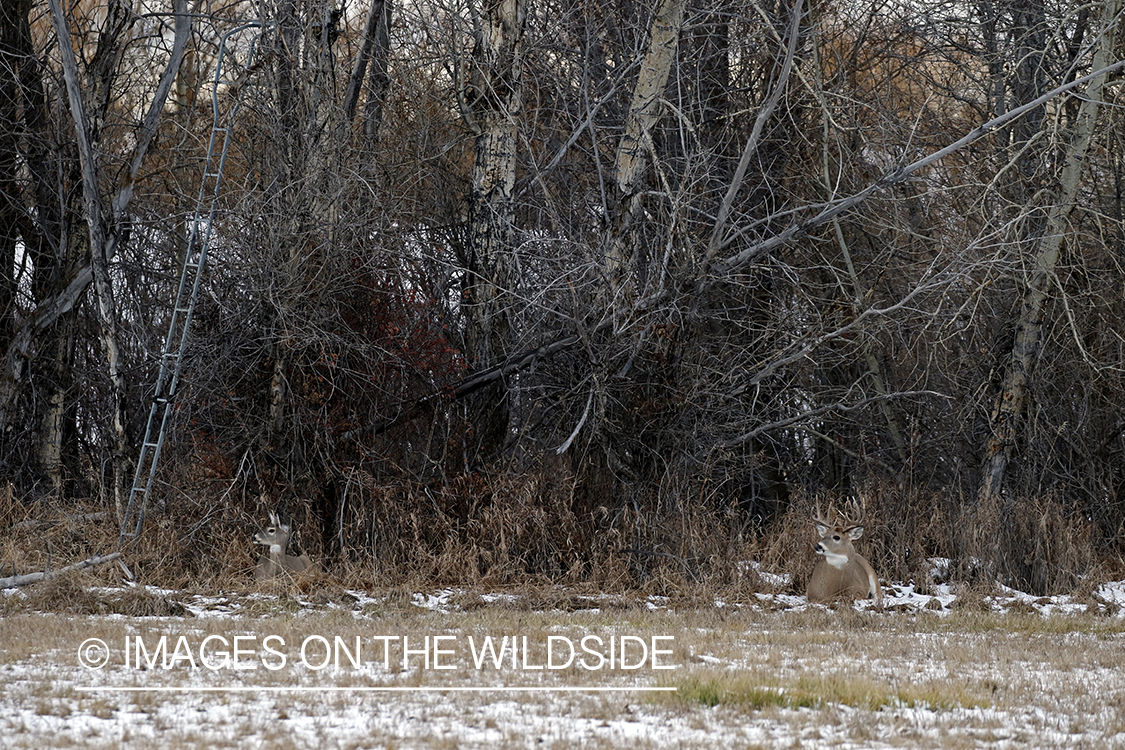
275 561
841 572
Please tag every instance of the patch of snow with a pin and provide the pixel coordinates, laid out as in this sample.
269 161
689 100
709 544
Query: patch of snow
1045 605
499 598
784 601
1112 593
776 580
906 596
438 602
940 568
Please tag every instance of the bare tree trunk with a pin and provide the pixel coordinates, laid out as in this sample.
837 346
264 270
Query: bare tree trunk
309 136
99 260
291 169
636 144
493 105
10 219
106 232
711 46
373 54
1004 421
30 578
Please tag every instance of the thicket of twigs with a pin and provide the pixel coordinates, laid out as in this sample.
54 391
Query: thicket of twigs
611 293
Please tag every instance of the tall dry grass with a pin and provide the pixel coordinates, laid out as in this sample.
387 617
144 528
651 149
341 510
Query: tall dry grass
536 528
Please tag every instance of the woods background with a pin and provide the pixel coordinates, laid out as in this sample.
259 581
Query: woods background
595 290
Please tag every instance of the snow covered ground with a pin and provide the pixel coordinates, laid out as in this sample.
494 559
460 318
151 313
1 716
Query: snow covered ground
358 670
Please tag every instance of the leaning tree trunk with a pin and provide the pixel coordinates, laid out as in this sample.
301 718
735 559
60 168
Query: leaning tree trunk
86 133
636 144
1004 421
107 229
373 53
11 21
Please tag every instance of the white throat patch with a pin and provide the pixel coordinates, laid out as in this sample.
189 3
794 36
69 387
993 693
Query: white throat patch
836 561
275 549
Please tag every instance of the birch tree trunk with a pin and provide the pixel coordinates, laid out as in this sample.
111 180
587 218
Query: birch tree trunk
108 229
1004 421
636 143
493 106
99 261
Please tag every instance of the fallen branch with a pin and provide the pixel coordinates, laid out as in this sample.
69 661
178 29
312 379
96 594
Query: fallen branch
30 578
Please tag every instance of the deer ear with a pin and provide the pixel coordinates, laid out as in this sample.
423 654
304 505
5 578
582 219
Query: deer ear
821 527
855 532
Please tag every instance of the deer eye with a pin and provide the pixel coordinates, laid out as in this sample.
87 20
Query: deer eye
835 537
271 530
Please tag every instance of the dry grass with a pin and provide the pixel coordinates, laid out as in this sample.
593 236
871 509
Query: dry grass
757 690
530 531
80 594
1036 544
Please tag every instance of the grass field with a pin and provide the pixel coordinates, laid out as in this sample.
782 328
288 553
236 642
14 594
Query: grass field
402 670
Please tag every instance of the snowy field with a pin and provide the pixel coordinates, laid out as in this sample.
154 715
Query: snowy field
454 669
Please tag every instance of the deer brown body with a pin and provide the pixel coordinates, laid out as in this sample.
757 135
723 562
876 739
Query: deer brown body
841 572
275 562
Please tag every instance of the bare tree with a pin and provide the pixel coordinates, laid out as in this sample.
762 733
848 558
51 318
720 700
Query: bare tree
492 102
371 61
1044 249
636 147
108 229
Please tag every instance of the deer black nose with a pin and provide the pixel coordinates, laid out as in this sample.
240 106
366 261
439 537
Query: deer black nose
819 548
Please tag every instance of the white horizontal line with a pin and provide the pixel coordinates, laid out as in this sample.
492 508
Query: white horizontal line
374 689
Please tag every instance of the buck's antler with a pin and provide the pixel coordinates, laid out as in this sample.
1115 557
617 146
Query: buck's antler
854 514
825 520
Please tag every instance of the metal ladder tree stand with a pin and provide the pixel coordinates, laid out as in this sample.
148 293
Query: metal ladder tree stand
195 259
